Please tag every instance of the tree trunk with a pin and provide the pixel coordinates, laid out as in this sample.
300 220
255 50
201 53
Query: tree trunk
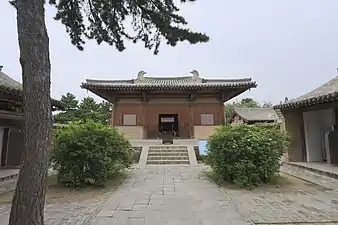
29 197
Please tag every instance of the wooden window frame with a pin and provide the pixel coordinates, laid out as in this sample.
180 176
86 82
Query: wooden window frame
128 124
205 120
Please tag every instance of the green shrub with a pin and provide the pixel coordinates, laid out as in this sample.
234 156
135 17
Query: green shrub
246 155
89 153
202 158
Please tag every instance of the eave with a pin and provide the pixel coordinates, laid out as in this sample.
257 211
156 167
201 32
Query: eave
329 98
15 96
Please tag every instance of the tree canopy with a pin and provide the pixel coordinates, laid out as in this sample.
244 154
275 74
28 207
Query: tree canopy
151 22
86 109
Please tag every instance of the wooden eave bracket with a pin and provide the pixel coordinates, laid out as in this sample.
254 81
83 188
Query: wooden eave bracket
144 97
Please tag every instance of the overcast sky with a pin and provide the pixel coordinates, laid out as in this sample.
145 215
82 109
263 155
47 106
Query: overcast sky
288 46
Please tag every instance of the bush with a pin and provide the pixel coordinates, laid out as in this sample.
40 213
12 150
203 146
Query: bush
89 153
202 158
246 155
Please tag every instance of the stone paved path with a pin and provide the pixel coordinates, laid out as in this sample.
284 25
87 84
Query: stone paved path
169 195
182 195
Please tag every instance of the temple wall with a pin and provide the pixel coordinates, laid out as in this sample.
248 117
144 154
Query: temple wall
189 115
132 132
203 132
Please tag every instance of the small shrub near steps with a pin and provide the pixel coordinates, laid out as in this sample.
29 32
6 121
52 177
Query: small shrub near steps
246 155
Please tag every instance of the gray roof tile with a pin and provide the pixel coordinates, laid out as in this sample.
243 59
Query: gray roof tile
167 82
257 114
14 88
8 82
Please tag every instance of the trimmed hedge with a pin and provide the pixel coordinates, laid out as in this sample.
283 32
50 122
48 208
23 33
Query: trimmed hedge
247 155
89 153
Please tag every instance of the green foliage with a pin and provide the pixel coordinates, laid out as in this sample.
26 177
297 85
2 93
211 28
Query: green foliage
89 153
202 158
246 155
244 103
87 109
70 105
69 101
105 21
249 103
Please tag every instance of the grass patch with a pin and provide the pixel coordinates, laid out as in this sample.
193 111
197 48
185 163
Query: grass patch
278 182
57 193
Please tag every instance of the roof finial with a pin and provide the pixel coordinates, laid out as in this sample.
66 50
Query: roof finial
195 74
286 99
140 75
1 66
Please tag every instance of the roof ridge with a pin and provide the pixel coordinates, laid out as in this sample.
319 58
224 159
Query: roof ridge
229 80
168 78
252 107
108 81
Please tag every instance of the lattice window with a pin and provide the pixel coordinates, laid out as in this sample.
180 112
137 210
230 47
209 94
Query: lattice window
129 120
207 119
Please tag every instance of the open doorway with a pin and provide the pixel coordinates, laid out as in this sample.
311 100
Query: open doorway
168 122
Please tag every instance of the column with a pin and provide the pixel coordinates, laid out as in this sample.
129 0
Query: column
113 113
144 119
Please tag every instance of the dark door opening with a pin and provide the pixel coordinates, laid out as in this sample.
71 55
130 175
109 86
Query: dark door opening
168 122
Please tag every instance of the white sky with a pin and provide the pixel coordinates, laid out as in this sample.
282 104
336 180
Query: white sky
288 46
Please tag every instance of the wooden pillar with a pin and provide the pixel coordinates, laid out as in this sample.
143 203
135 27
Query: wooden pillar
222 114
189 120
4 147
114 117
113 114
191 100
336 118
144 115
220 120
144 120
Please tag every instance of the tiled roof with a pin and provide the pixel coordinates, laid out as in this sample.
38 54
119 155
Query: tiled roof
147 83
14 88
257 114
6 81
324 94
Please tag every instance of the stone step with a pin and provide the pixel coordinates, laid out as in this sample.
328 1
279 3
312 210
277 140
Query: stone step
321 170
168 157
310 176
168 154
172 150
167 162
8 174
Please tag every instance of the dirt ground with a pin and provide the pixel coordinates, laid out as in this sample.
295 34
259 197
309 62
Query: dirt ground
58 194
280 183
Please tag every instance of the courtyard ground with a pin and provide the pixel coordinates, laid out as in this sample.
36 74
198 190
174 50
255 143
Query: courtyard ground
185 195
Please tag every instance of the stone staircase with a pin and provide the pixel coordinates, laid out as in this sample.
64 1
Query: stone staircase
168 154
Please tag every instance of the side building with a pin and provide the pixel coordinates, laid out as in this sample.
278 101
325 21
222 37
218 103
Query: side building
12 121
311 120
253 115
145 107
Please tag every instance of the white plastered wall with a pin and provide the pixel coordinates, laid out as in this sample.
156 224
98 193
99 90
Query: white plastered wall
316 123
